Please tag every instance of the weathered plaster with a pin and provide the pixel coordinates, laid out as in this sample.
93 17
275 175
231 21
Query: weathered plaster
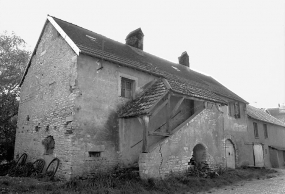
46 101
207 128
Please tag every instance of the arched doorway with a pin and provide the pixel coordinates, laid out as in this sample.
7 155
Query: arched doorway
230 154
199 153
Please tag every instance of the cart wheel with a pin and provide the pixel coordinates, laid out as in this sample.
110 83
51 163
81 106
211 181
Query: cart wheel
39 165
52 167
22 160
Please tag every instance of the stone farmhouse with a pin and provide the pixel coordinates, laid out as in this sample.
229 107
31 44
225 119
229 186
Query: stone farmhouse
96 103
278 112
266 135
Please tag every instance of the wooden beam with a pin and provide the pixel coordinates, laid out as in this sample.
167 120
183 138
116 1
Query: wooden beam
167 85
159 134
159 108
177 106
186 97
168 114
145 122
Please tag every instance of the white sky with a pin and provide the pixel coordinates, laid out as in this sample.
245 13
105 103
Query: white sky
240 43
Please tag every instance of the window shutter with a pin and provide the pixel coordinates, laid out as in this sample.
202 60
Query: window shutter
123 87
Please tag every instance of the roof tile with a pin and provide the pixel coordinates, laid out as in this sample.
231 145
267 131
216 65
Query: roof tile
181 78
261 115
143 104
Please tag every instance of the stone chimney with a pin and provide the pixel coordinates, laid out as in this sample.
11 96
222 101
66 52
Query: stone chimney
135 39
184 59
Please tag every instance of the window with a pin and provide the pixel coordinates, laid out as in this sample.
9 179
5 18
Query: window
127 86
265 131
95 154
255 128
234 109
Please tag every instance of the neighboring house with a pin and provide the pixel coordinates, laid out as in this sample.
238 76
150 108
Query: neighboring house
278 113
95 103
266 134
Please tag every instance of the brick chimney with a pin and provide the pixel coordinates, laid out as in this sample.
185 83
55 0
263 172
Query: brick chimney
184 59
135 39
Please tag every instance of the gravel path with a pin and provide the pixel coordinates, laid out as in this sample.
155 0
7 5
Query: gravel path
274 185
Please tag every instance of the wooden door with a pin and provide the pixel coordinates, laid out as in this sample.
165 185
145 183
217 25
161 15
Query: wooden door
230 154
258 155
273 158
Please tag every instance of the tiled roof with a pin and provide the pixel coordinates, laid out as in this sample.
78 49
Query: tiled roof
276 111
181 78
143 104
261 115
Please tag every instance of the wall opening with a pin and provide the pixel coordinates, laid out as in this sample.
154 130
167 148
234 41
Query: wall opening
94 154
48 144
230 154
199 154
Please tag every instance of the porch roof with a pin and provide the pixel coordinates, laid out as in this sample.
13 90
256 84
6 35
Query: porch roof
144 104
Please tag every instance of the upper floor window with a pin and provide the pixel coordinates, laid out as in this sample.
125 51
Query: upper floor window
255 128
265 131
234 109
127 86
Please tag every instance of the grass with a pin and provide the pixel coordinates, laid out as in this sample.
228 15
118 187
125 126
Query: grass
129 182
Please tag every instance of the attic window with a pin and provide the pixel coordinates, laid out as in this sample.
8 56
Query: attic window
175 68
92 38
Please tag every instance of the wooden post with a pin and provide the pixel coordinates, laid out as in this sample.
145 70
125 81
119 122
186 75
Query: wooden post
144 120
177 107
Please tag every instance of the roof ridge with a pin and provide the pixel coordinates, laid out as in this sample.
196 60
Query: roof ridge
82 27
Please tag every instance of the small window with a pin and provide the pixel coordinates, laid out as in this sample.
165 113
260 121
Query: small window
127 88
265 131
94 154
255 128
234 109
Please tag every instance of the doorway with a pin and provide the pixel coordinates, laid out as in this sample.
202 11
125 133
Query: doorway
199 153
258 155
230 154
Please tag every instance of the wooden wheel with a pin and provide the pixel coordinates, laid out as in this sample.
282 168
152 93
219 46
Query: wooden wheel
39 165
22 160
52 167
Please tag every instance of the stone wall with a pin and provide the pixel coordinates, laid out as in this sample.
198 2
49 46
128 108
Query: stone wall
131 129
97 124
47 101
275 138
206 128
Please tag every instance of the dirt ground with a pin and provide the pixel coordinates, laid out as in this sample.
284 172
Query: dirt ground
231 181
273 185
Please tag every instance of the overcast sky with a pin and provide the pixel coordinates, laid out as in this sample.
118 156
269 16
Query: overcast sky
240 43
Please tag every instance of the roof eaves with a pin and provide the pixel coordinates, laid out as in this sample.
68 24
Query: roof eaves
119 60
64 35
263 120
